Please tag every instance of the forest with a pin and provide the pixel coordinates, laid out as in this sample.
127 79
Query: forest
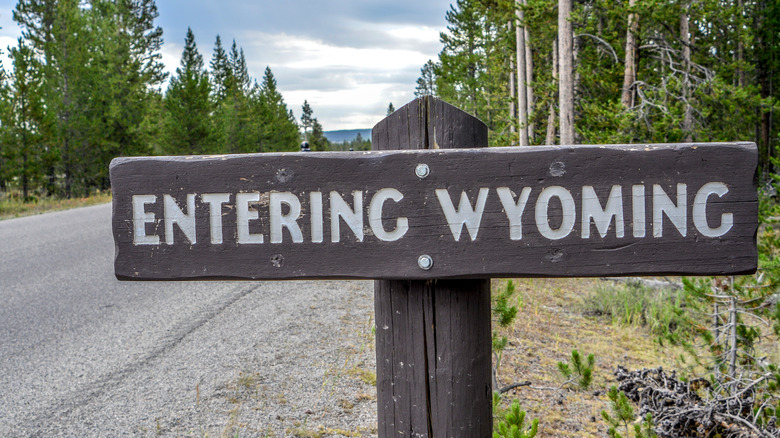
613 71
87 85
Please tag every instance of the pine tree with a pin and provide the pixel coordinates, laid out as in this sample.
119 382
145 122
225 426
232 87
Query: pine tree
24 121
426 83
307 118
240 80
221 73
58 30
188 125
128 45
279 130
317 140
460 68
390 109
236 127
100 62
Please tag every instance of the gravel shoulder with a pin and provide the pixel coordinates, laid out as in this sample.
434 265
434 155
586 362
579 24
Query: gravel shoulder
306 368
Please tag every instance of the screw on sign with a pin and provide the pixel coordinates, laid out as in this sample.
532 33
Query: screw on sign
432 216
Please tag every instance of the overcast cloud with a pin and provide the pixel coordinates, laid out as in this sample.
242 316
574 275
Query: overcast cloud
349 59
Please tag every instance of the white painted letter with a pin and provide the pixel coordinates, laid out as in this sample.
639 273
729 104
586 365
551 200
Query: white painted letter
638 209
591 209
141 218
514 210
700 210
173 214
289 220
215 201
465 214
375 216
677 214
353 218
315 205
568 212
244 215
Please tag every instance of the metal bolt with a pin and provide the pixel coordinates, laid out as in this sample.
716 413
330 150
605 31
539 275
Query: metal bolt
422 170
425 262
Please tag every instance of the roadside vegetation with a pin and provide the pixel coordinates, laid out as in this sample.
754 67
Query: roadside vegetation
13 204
669 357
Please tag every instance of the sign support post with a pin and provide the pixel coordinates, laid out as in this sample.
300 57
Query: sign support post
433 341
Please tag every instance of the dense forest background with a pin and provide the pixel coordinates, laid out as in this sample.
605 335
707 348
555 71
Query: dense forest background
87 83
631 71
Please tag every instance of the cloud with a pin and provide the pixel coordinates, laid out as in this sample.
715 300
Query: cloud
9 34
349 86
349 59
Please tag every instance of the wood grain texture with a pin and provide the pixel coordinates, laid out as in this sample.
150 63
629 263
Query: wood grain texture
433 339
492 254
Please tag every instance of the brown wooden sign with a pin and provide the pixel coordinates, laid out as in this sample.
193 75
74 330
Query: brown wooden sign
457 213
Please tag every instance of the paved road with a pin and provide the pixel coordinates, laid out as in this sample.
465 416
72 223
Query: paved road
82 354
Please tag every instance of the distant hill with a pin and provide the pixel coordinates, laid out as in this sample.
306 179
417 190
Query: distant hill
347 135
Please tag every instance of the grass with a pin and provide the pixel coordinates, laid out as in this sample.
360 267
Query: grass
12 205
663 312
551 324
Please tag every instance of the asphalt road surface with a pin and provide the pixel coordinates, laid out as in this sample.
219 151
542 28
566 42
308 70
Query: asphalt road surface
82 354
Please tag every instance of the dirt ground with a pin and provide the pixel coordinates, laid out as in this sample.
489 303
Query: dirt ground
548 326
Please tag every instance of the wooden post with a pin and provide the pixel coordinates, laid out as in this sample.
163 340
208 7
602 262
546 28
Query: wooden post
433 341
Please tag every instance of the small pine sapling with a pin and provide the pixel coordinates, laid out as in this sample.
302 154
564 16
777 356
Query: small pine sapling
623 415
578 370
512 424
505 313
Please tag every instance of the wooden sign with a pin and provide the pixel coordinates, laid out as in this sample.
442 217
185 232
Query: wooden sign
456 213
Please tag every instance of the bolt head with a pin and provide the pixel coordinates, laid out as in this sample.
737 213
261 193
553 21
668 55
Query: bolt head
422 170
425 262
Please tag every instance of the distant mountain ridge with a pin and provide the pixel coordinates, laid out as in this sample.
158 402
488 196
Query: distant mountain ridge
346 135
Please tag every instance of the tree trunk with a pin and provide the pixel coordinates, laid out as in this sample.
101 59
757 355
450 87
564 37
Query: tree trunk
733 336
687 125
629 74
512 94
529 77
522 96
550 138
740 46
566 72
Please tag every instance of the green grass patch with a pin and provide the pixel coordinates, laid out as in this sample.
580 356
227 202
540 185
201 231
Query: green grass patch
663 312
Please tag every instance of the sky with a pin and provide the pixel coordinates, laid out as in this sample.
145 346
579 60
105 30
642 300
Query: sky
349 59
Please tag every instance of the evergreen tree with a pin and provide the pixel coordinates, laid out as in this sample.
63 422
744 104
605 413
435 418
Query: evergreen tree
426 83
317 140
129 67
236 127
221 73
100 62
279 130
24 121
188 108
460 61
58 30
306 118
390 109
